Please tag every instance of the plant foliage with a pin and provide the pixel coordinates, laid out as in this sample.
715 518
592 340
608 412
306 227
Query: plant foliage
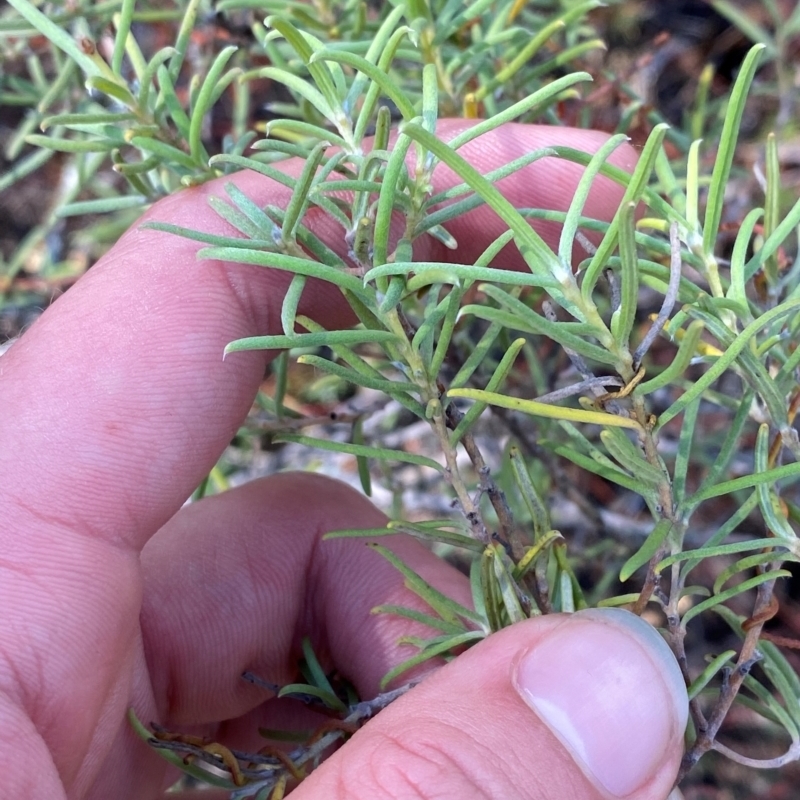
688 414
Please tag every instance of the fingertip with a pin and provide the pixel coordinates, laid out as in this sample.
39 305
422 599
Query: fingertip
607 686
584 706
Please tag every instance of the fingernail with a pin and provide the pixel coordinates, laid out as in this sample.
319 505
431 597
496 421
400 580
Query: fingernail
608 687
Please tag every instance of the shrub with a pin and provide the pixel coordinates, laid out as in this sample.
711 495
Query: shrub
682 419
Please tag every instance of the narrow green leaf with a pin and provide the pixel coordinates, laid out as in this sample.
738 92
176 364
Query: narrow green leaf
766 478
417 616
123 26
707 675
539 257
447 608
357 437
535 100
499 375
71 145
530 496
299 200
113 89
476 357
743 564
744 586
306 46
634 192
86 118
430 97
291 301
476 588
392 388
446 272
683 458
772 201
395 169
373 72
546 410
243 222
545 542
59 37
329 699
320 339
775 663
727 148
454 16
24 166
166 152
167 94
280 368
301 266
521 58
648 550
608 473
312 665
782 232
532 322
105 205
149 75
506 584
767 496
737 290
208 238
57 87
183 38
394 292
573 216
444 211
426 533
447 329
300 87
748 363
623 318
725 361
381 453
723 532
451 644
308 240
631 458
204 101
422 341
378 44
694 231
729 447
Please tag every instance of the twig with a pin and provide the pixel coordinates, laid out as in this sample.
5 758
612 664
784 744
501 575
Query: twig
616 293
576 358
792 754
263 771
278 425
488 485
579 388
675 264
359 713
748 656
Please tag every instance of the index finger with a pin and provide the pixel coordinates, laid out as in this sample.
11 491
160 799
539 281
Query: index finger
117 401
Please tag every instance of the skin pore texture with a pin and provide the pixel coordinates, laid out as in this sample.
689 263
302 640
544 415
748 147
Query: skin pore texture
116 403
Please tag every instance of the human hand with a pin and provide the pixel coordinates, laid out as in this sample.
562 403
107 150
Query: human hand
115 405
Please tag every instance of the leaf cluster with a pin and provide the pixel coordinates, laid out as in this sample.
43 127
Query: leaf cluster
612 394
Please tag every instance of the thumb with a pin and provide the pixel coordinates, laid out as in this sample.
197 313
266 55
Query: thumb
587 705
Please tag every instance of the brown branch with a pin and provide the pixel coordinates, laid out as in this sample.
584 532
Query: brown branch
748 657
